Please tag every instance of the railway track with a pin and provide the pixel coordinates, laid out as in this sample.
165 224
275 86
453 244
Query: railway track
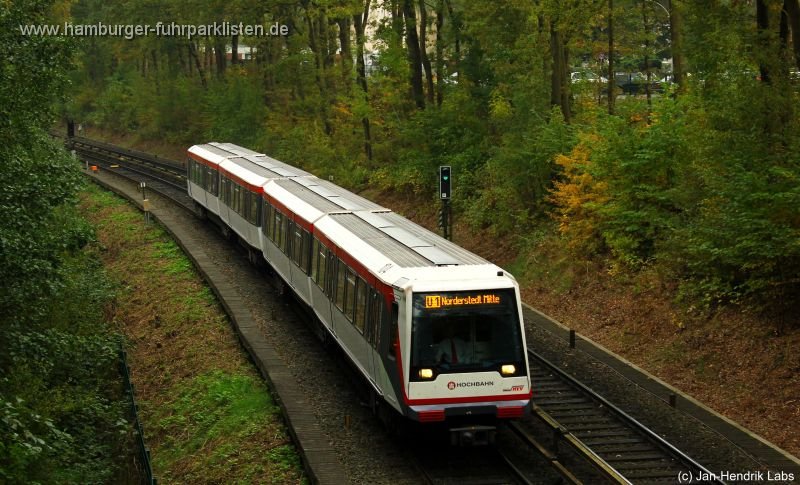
468 466
616 447
167 177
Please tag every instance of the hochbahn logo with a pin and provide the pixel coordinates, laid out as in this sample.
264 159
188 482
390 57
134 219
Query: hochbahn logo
452 385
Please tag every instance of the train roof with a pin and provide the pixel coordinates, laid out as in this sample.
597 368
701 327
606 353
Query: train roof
372 232
324 195
403 242
257 163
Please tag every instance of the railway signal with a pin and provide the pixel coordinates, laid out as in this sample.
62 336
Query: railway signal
445 184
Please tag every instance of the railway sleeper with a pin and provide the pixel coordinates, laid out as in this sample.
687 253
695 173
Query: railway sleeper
612 441
589 423
550 386
664 466
568 413
652 475
611 433
623 450
553 409
632 457
568 400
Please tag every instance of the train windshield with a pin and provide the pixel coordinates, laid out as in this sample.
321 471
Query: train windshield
465 331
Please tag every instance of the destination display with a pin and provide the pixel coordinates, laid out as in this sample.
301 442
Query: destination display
445 301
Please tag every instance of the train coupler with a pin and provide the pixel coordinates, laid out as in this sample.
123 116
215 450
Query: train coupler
473 435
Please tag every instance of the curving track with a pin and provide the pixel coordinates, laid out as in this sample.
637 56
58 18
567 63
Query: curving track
617 447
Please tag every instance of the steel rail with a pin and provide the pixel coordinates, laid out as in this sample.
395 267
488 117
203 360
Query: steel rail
586 451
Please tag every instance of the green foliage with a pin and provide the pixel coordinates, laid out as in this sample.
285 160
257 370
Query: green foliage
673 182
60 419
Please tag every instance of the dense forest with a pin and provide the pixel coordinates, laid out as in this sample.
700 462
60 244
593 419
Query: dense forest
63 418
690 166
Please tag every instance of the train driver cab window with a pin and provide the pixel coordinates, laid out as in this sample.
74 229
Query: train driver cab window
465 331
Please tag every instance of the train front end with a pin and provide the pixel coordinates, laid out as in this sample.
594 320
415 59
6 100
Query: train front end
466 360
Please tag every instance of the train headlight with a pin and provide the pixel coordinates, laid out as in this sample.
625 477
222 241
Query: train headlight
508 370
426 373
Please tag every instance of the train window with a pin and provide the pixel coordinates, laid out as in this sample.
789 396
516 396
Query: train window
253 215
393 336
265 217
246 196
372 316
340 282
289 236
284 243
305 256
215 184
243 193
277 236
361 304
350 294
207 177
235 197
314 260
323 261
331 269
297 244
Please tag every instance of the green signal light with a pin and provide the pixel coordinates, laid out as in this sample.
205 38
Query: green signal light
445 177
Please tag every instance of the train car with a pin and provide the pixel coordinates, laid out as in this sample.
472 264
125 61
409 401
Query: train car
435 330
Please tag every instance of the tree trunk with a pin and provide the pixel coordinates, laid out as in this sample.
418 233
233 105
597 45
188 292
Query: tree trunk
315 41
612 85
414 56
360 22
646 25
566 110
193 54
155 68
439 51
219 54
762 25
456 38
423 51
347 54
235 50
793 11
676 45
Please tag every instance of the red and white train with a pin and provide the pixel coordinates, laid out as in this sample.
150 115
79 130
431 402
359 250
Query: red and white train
435 330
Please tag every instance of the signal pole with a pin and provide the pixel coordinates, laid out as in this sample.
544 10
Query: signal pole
445 221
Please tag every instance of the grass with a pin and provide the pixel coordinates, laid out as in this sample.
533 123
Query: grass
207 414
